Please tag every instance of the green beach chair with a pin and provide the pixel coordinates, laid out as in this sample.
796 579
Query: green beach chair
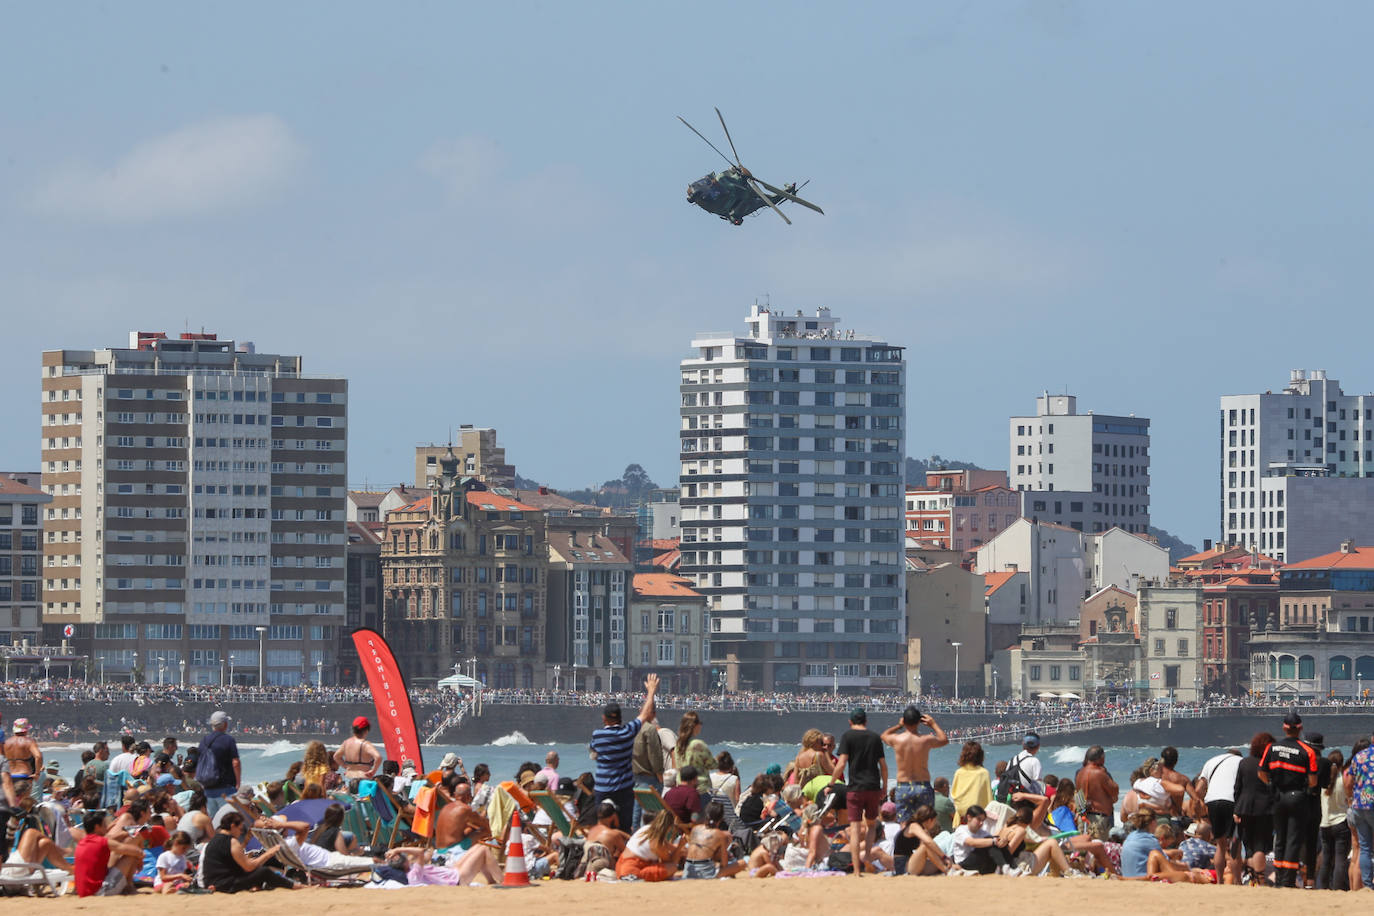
559 817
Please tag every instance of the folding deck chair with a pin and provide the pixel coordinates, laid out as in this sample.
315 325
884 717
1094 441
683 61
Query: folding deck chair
557 815
270 839
34 877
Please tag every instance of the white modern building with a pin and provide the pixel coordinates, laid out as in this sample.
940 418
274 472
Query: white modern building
792 454
1089 472
1272 442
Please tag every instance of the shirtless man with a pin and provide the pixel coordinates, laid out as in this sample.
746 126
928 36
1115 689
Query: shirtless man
1179 786
708 847
23 760
912 751
357 756
459 825
605 840
1099 790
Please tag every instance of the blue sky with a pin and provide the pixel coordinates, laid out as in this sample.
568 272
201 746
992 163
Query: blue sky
476 211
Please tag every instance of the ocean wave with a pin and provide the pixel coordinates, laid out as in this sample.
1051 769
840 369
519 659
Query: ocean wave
277 748
514 739
1071 754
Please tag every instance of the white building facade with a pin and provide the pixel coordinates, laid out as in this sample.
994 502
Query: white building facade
1055 560
792 453
1089 472
1310 429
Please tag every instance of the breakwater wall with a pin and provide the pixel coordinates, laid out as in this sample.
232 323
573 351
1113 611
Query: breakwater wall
547 724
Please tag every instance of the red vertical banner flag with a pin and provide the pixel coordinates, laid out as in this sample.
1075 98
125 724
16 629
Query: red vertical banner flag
395 720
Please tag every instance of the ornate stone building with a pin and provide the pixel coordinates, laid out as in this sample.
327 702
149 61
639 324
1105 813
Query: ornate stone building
464 574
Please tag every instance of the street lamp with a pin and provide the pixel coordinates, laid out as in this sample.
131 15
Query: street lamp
319 673
47 679
134 670
720 680
181 663
231 669
574 683
835 687
262 654
956 646
994 682
557 673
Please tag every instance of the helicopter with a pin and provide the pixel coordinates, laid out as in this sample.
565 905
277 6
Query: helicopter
735 193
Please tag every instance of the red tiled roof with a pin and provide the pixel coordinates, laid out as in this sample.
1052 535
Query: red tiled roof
485 499
420 505
663 585
994 580
668 559
1357 558
11 487
660 544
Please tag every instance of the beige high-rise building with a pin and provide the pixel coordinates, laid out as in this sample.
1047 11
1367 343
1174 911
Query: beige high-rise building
197 515
478 456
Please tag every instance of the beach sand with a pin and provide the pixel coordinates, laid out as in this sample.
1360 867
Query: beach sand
986 895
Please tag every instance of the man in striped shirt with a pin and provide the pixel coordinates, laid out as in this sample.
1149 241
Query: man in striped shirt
613 747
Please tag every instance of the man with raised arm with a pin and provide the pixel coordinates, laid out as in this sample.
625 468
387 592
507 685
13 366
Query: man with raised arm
912 750
613 745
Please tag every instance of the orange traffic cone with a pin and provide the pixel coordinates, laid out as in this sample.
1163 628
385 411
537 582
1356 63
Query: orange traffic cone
517 873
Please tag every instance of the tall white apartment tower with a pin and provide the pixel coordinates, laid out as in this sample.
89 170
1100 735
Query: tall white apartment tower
198 511
1089 472
1293 465
792 454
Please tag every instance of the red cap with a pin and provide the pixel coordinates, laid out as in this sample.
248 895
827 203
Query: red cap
361 722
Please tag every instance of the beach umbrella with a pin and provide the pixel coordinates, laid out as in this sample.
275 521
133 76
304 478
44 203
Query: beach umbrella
1069 696
1048 696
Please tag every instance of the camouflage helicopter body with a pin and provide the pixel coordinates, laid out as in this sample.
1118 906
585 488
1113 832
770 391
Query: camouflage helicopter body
735 193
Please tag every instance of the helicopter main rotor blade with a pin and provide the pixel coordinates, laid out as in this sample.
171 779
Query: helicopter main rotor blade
764 197
790 196
704 140
727 137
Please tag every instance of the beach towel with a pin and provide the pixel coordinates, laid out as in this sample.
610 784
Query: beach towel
424 812
499 811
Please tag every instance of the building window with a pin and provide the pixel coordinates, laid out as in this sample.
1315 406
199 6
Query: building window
1035 672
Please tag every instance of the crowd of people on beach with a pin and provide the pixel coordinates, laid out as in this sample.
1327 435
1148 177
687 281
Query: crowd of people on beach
658 804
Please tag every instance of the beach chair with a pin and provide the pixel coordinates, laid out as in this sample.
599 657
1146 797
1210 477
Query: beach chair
394 825
33 877
270 839
649 800
559 817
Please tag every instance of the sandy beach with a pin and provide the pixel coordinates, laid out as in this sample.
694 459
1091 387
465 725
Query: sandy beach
796 895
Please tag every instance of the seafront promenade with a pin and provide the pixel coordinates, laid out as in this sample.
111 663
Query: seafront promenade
74 711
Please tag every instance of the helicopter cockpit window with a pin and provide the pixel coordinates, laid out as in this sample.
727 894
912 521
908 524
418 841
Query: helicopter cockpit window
707 188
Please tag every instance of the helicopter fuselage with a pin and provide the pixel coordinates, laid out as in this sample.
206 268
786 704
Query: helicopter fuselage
726 194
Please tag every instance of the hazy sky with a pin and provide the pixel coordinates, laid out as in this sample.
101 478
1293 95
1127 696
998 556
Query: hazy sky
476 211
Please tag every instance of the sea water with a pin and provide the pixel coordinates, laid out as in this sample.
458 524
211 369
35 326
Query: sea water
265 761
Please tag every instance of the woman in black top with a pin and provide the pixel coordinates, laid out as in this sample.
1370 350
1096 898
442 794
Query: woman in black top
914 851
1255 805
227 868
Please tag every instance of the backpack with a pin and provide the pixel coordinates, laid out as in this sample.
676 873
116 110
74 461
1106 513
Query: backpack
207 764
570 860
1011 782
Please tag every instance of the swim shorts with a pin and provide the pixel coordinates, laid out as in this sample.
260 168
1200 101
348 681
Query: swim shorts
701 868
910 796
864 803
